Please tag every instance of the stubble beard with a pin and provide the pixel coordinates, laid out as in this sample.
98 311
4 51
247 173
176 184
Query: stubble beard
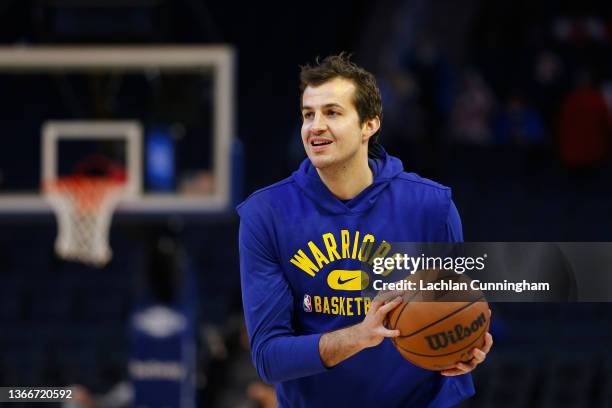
336 164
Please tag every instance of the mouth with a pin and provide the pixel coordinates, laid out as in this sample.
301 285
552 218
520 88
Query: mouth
320 142
319 145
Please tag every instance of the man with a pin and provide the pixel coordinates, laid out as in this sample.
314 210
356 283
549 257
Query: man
303 239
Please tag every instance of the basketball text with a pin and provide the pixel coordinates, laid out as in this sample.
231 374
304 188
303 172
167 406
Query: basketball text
442 339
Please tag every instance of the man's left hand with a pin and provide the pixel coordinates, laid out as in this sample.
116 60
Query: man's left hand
478 356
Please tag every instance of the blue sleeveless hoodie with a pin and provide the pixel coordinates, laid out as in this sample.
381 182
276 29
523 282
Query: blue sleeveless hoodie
296 239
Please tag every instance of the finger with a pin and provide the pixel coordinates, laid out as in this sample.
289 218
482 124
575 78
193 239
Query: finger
488 343
478 356
462 367
451 372
387 307
385 297
375 305
388 333
467 366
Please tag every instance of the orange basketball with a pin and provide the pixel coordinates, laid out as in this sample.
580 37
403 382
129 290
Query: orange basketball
440 328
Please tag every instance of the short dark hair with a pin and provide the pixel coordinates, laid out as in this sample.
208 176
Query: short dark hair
367 98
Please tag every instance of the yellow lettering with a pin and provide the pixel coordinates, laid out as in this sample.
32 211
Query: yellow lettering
366 247
361 250
334 304
330 245
358 301
345 243
342 299
302 261
354 255
349 306
318 255
382 250
341 306
325 305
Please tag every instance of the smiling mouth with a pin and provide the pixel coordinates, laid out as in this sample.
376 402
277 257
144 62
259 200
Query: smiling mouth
320 142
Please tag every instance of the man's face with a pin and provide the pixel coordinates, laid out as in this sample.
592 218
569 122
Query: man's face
331 131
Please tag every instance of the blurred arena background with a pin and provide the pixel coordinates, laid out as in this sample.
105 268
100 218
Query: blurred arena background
507 102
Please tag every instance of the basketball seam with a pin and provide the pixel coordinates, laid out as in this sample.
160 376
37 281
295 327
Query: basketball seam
407 301
439 320
404 307
447 354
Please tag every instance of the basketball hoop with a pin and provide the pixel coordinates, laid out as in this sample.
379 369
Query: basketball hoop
84 206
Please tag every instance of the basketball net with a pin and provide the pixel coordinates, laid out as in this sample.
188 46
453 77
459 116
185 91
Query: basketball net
84 206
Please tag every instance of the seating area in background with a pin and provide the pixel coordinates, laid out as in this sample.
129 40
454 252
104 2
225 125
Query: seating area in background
506 193
548 355
61 322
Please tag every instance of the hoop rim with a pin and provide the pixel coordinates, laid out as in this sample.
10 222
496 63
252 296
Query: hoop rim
89 193
75 180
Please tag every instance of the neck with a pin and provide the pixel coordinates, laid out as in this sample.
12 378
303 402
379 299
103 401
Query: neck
346 180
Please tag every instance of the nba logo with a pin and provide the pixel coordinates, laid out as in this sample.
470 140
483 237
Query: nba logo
307 303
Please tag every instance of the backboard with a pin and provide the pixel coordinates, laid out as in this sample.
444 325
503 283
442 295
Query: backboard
173 106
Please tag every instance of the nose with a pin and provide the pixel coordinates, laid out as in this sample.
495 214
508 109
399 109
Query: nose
318 124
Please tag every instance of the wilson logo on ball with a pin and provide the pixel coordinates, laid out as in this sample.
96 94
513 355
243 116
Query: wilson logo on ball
441 340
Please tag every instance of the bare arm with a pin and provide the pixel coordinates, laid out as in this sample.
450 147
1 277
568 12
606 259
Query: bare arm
337 346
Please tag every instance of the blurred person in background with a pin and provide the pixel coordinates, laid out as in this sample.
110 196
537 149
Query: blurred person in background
519 123
584 126
473 110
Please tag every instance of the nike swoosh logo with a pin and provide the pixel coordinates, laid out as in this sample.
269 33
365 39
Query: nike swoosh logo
347 279
343 281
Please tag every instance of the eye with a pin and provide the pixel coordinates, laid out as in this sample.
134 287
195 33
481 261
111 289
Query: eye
307 115
333 114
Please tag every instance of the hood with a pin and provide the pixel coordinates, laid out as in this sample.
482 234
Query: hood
385 169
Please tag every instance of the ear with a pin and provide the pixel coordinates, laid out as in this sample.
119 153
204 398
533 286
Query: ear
370 127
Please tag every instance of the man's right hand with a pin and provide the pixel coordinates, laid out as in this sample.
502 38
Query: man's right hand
372 330
337 346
